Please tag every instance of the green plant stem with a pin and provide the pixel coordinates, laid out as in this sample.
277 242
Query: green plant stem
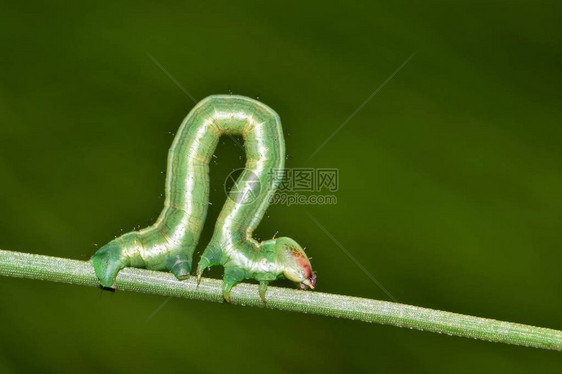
24 265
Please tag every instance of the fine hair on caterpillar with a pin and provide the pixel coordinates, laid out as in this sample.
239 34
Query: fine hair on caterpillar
170 242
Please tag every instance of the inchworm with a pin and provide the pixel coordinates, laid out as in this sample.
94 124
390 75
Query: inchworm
170 242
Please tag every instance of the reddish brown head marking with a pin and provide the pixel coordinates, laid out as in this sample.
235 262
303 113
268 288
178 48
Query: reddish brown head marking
296 266
303 263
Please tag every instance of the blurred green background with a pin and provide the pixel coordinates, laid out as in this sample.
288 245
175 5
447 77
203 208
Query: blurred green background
450 177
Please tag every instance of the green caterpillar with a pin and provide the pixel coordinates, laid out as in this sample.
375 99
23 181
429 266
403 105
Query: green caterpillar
170 242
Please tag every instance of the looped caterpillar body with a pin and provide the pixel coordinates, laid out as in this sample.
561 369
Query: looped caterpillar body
170 242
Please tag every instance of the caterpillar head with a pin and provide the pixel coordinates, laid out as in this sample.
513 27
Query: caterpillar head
296 266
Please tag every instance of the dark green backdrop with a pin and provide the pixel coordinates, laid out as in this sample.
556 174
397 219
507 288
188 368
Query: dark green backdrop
450 177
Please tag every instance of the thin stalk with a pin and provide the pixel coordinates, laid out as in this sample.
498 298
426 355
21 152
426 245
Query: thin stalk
24 265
